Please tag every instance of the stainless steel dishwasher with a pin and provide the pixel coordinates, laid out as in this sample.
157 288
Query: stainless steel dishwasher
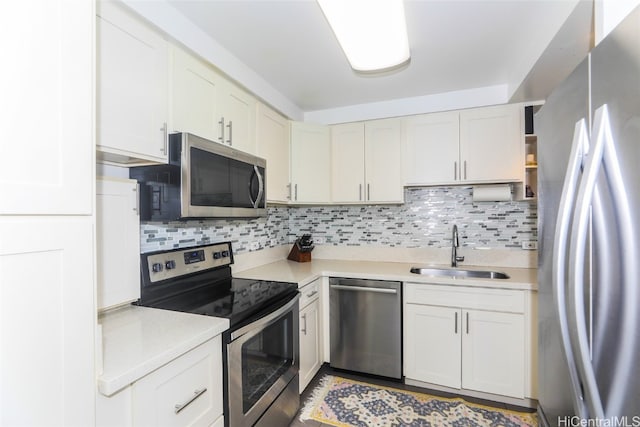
366 326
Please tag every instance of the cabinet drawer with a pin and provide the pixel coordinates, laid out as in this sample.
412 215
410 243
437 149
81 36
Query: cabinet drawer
186 391
309 293
506 300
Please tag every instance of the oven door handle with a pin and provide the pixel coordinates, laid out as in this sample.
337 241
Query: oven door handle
266 320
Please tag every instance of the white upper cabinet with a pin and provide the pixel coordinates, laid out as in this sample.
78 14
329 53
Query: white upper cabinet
194 97
206 104
347 163
383 161
366 162
132 88
238 110
310 163
431 148
47 87
492 143
468 146
273 144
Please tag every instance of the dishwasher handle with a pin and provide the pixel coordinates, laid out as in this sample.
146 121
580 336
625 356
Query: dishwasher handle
365 289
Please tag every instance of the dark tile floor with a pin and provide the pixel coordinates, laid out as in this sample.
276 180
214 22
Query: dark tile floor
327 370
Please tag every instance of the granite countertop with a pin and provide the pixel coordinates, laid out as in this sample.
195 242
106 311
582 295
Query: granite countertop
138 340
303 273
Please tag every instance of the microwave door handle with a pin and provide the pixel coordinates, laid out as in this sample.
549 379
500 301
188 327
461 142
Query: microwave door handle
250 187
256 172
260 187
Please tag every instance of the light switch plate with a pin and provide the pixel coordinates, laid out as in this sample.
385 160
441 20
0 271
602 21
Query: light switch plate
530 245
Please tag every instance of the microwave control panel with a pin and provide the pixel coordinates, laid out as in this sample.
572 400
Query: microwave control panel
171 264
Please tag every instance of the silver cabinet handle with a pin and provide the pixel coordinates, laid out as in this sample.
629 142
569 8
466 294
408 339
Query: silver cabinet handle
296 191
312 294
221 123
289 191
368 191
360 192
196 394
365 289
304 322
165 138
136 209
467 323
465 169
230 127
455 329
455 171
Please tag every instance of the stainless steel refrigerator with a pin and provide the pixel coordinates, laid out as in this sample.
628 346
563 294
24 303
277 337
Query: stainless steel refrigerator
589 235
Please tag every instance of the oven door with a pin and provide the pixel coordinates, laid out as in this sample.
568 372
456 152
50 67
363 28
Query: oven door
262 359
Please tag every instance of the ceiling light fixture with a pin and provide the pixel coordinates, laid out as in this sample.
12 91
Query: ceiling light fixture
372 33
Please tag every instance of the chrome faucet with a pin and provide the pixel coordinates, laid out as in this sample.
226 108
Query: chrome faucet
455 243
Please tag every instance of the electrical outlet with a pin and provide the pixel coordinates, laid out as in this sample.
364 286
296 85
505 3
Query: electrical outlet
530 245
254 246
319 240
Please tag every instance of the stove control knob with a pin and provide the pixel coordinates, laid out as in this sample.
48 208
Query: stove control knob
170 265
156 267
217 255
225 254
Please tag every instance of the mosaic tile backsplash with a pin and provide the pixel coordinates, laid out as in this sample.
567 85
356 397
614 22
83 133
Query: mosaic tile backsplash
424 220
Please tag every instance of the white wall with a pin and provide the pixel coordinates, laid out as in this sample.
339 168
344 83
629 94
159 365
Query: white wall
609 13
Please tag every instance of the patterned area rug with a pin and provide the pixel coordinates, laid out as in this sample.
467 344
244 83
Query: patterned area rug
347 403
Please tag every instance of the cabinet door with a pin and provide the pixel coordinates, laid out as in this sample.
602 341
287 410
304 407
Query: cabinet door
47 107
132 88
47 319
347 163
431 148
383 161
310 163
432 350
194 94
273 144
310 349
117 241
493 352
491 143
186 391
238 108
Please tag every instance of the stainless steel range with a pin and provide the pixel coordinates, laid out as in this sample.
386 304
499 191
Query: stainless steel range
260 350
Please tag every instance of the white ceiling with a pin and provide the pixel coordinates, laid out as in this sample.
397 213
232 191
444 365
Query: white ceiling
456 45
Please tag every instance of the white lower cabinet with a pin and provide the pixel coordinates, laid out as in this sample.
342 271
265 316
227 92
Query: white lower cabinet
466 338
432 344
184 392
310 333
493 352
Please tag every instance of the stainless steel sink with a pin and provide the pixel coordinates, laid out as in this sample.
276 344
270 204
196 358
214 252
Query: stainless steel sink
457 273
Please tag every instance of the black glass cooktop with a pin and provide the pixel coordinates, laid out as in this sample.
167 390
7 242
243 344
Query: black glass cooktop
231 298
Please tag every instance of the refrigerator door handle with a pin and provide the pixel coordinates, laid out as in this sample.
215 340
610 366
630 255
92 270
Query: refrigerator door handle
579 147
603 154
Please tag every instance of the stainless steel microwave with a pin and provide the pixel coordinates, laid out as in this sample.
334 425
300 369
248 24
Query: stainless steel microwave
203 179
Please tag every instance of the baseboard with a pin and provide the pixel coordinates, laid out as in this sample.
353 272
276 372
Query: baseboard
525 403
